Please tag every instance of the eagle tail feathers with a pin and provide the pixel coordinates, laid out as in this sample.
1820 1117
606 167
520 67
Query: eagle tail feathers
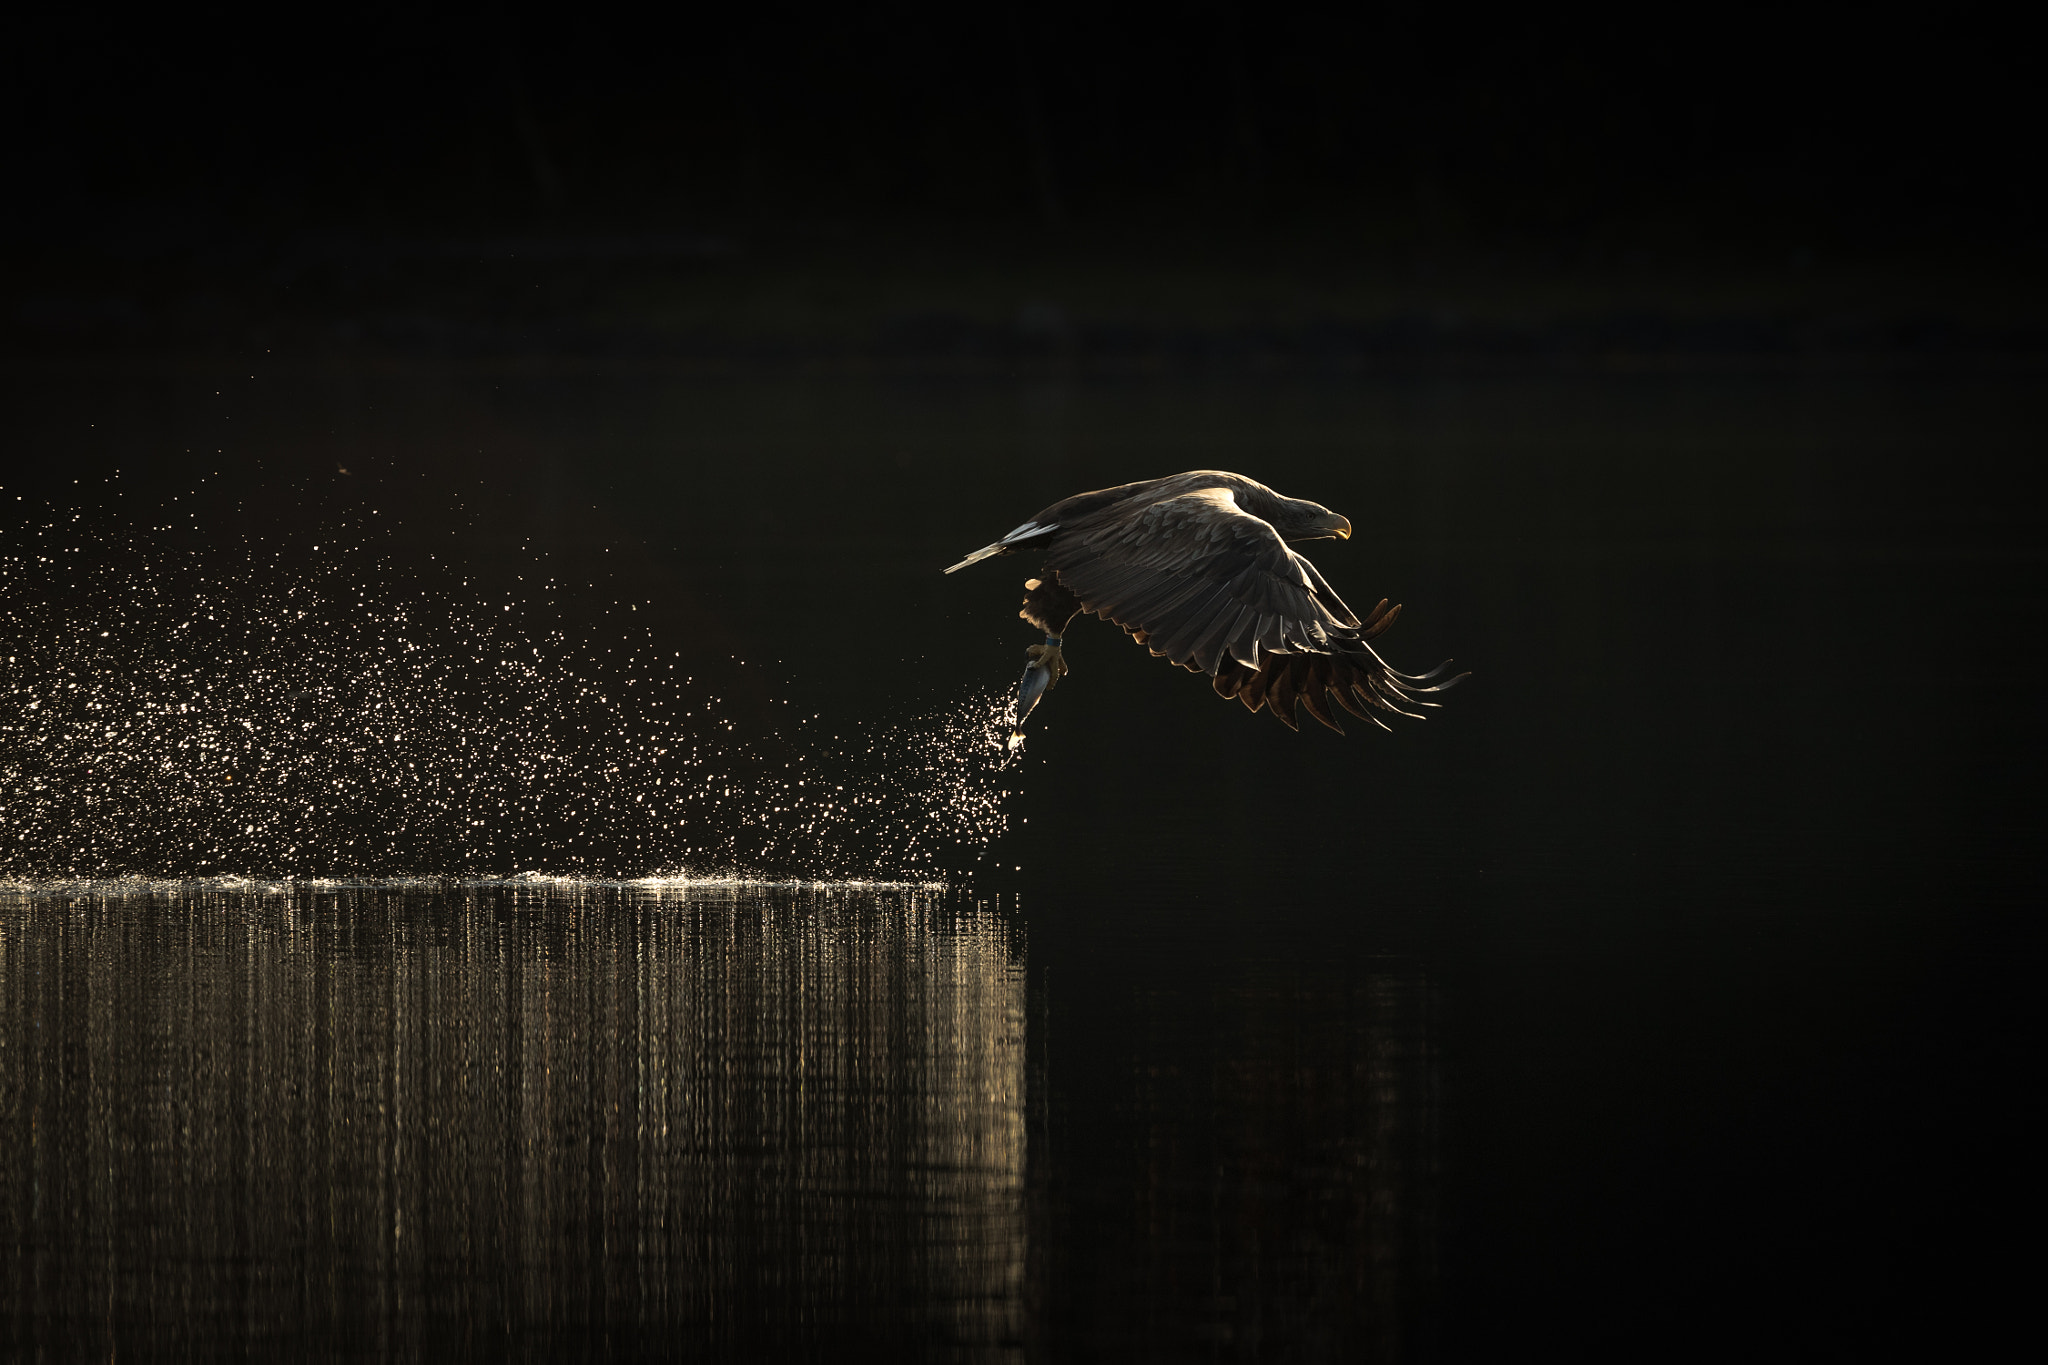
985 552
1030 530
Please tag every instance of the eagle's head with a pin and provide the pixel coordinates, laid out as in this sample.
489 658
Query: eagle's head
1293 518
1301 520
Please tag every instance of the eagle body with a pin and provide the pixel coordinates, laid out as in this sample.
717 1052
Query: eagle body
1198 568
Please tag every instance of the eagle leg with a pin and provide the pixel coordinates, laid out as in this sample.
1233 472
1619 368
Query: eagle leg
1048 605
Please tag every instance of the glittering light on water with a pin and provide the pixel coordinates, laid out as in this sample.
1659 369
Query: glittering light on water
169 714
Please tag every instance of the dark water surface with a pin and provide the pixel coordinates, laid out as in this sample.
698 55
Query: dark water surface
1663 997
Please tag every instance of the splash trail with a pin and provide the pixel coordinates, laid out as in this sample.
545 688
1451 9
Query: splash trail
173 708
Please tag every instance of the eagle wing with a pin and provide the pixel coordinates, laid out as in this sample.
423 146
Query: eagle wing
1354 674
1199 580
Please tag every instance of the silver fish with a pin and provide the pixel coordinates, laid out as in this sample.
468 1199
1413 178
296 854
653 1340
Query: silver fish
1037 677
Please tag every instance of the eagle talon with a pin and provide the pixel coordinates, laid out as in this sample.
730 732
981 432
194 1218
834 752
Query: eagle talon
1051 660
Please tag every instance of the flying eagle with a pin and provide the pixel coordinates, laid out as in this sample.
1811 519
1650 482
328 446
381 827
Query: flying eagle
1197 568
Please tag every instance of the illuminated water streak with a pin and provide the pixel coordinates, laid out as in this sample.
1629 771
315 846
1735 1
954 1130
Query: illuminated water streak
511 1119
674 884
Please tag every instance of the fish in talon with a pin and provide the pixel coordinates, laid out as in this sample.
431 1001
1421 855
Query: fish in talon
1046 668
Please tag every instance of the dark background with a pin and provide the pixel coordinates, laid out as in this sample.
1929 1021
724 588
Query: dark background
1762 125
1130 184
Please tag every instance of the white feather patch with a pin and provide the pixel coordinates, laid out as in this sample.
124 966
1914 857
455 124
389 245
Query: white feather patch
983 553
1025 532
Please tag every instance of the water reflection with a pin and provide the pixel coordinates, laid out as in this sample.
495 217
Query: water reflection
511 1122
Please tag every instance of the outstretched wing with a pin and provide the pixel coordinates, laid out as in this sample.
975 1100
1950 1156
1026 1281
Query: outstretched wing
1202 582
1359 679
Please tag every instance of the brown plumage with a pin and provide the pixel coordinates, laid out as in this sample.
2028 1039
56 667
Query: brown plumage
1197 568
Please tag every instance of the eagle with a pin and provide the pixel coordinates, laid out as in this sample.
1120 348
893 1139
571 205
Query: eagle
1198 568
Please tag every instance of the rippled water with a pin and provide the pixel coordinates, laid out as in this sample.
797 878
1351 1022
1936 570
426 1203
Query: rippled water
672 964
519 1120
331 1122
